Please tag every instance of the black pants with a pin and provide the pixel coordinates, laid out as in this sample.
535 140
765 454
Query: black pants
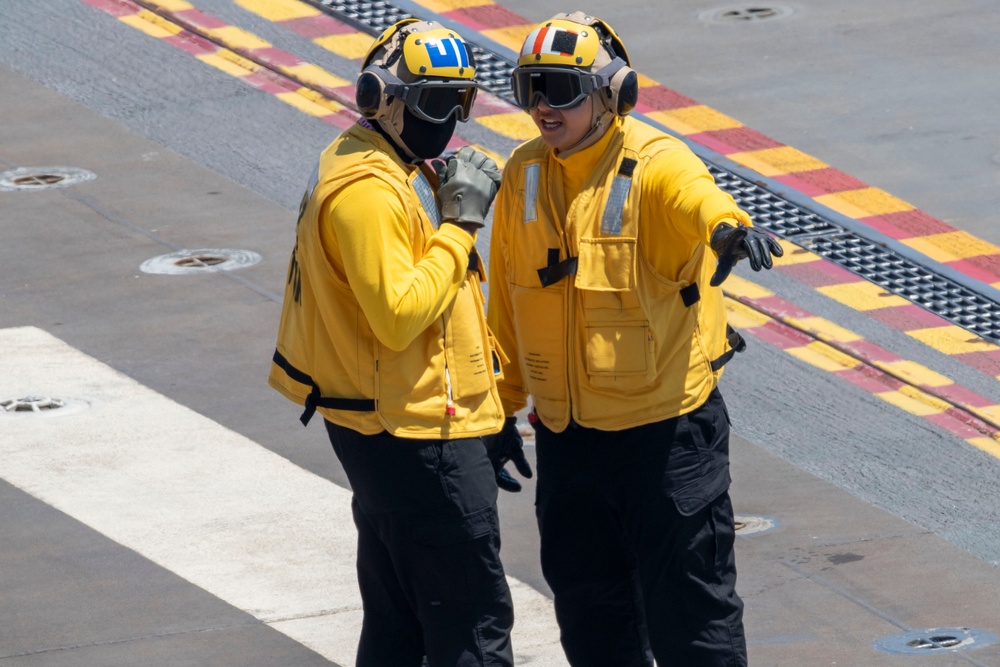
428 552
637 542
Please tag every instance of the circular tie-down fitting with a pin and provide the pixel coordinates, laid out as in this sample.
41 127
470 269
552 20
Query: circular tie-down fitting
208 260
40 406
746 13
752 525
934 640
43 178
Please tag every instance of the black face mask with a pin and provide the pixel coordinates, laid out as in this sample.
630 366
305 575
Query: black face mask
425 139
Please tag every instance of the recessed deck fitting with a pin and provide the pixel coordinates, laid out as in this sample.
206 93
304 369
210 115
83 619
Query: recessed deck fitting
43 178
749 525
746 13
40 406
208 260
934 640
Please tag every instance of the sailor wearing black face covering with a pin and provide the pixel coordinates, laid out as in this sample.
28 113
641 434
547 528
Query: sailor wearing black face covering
383 333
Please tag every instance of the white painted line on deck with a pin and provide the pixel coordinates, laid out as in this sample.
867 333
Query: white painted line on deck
204 502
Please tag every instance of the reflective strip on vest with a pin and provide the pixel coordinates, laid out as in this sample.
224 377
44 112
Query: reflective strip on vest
611 222
426 195
531 172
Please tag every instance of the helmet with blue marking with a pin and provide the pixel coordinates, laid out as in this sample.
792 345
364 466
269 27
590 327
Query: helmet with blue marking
422 66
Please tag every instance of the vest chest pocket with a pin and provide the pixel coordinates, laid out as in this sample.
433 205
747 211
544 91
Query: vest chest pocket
620 355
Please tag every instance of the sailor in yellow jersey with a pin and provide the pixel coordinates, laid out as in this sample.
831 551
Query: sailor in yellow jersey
609 242
383 332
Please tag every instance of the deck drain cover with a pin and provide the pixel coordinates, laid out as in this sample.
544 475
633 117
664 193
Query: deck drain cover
39 406
200 261
935 640
746 13
748 525
42 178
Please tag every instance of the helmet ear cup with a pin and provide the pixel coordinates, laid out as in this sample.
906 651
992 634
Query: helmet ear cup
624 91
370 94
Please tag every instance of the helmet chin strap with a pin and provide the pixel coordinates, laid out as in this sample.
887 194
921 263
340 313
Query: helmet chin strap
392 127
601 121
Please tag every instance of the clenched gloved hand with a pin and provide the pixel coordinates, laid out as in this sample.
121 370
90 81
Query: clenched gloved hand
468 183
731 244
507 446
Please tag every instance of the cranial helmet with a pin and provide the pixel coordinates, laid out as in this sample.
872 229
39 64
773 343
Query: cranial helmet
416 82
571 56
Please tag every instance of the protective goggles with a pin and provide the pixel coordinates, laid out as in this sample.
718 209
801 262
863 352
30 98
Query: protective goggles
560 87
433 101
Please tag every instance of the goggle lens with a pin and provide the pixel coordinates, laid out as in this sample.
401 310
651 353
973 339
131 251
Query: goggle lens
561 89
437 103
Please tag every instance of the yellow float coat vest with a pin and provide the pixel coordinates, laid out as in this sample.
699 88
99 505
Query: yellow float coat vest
440 384
602 299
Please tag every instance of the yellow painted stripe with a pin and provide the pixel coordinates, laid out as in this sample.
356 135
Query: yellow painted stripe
279 10
226 64
694 119
824 329
238 38
914 373
317 76
864 202
151 24
742 316
778 161
744 288
512 36
988 445
352 46
862 295
990 412
515 125
952 245
823 356
952 340
794 254
442 6
645 81
302 102
920 404
172 5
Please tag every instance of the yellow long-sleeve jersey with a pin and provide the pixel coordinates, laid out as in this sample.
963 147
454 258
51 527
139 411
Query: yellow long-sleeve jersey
383 324
599 270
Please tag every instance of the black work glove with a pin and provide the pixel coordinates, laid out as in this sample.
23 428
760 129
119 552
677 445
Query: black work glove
731 244
507 446
468 183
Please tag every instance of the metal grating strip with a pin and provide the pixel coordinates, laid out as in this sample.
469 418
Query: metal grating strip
881 265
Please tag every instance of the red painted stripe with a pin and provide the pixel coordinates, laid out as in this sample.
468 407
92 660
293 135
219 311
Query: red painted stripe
818 274
986 362
907 224
192 44
117 8
276 57
312 27
734 140
486 17
198 19
869 379
981 267
961 424
867 351
821 181
661 98
908 317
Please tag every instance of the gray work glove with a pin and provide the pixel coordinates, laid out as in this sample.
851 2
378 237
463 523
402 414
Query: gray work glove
505 446
731 244
468 183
